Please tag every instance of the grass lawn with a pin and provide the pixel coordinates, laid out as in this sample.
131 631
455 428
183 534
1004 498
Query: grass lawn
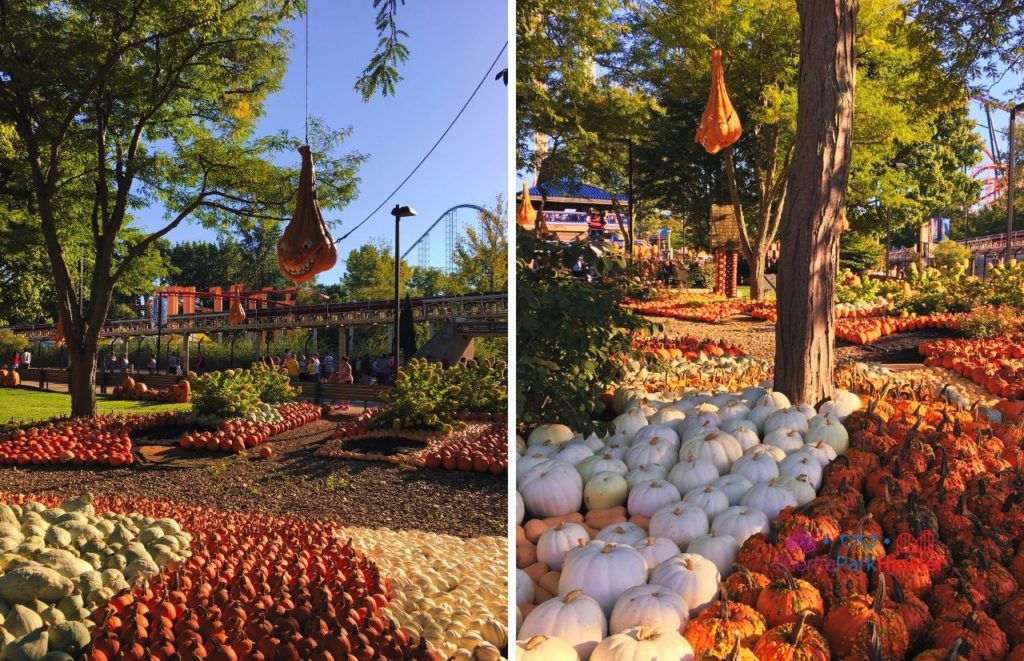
25 404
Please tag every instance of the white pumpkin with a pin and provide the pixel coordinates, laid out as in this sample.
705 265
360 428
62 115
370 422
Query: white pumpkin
668 417
647 498
770 498
786 440
524 588
831 432
594 442
733 486
802 463
691 473
545 648
774 400
623 395
653 605
604 490
759 414
575 618
653 450
807 410
557 434
556 542
547 448
790 418
629 423
756 467
732 425
778 454
799 487
600 463
821 451
699 423
603 571
709 499
662 432
528 462
614 448
843 403
733 409
656 550
739 522
643 644
623 532
573 453
555 489
520 508
747 438
749 396
718 548
645 473
719 448
692 576
680 522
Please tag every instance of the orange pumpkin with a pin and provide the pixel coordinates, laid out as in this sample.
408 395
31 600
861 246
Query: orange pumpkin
306 247
720 124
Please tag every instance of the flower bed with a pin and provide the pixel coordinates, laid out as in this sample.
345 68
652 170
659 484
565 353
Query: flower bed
234 435
478 447
280 586
104 440
996 365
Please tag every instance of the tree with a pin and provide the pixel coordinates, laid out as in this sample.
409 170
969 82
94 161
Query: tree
667 56
9 343
119 103
202 264
370 273
950 257
860 252
814 207
431 281
482 257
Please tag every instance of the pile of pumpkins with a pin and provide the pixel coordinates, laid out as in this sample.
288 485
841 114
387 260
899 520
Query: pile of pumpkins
59 564
179 393
624 540
10 378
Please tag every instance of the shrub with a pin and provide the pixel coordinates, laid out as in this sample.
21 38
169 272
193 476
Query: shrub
272 384
228 394
986 323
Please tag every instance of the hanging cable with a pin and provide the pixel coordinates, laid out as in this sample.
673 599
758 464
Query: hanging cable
431 151
308 3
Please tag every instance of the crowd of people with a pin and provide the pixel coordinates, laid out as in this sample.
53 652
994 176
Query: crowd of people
21 360
364 370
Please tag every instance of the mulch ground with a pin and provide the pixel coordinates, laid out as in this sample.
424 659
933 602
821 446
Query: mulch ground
294 481
757 338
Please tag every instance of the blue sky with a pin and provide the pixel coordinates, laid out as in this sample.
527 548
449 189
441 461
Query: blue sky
451 42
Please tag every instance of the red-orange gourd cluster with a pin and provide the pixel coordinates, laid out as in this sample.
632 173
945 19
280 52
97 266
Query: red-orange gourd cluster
238 435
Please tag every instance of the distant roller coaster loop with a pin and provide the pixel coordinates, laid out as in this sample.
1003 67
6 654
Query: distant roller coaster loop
439 219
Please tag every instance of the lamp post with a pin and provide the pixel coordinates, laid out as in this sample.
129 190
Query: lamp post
398 212
1011 180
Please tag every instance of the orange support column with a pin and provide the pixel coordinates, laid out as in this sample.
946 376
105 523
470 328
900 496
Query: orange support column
218 299
172 300
189 301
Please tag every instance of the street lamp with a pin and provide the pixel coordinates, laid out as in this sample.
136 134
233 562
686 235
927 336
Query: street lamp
398 212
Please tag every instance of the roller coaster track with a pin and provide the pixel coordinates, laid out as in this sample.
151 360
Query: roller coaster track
485 314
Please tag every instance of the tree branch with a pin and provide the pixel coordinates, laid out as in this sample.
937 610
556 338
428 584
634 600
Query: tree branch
734 196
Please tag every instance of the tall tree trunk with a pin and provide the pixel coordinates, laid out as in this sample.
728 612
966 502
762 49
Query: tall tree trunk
805 332
82 380
758 262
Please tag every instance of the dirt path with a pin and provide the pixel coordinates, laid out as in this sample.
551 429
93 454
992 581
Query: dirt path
357 493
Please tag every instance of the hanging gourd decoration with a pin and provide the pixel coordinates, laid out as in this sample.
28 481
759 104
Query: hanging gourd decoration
306 247
526 215
236 313
720 124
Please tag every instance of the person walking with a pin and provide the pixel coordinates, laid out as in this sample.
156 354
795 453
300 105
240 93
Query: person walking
172 364
292 367
344 370
151 364
328 366
26 359
313 368
16 360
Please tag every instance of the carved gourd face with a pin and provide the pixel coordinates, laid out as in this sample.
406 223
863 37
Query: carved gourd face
306 247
